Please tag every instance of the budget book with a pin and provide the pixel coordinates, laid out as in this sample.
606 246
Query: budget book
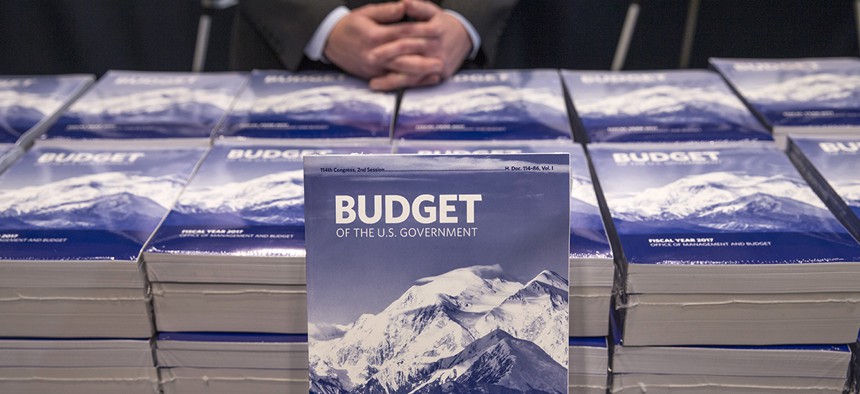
437 274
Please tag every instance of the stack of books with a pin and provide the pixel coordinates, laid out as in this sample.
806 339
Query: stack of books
589 365
486 105
658 106
230 256
798 95
735 369
592 268
74 219
591 263
280 104
725 244
422 277
77 366
228 363
829 164
138 105
29 104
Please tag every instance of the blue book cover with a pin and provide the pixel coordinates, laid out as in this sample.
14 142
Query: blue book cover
832 162
247 199
598 342
98 201
281 104
797 92
588 239
27 101
486 105
660 106
453 281
137 104
716 204
231 337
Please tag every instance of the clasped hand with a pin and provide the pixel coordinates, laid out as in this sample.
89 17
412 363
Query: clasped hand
374 42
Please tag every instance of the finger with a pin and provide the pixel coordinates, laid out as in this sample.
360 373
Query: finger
429 80
416 65
404 46
410 29
421 10
384 12
393 81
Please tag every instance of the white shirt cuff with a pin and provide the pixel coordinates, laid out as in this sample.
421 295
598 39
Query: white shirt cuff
315 47
473 34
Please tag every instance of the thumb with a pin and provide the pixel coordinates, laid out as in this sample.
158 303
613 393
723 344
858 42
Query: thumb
384 12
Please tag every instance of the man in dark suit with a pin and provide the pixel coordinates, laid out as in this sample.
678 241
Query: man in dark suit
392 44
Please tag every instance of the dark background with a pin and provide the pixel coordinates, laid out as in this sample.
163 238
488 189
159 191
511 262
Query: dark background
93 36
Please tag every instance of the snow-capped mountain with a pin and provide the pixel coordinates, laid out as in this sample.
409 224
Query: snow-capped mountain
582 190
724 200
665 102
276 198
175 100
100 201
333 99
21 111
497 362
473 289
12 101
586 224
834 89
437 318
482 100
585 216
432 319
325 384
16 121
537 312
324 331
849 191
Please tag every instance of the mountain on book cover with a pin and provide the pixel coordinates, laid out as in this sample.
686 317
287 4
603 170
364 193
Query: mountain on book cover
27 100
281 104
660 106
94 202
486 105
136 104
798 92
588 237
430 292
719 204
247 197
837 159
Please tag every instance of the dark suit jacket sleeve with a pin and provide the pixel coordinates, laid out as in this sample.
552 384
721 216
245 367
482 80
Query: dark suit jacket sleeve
273 33
489 17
